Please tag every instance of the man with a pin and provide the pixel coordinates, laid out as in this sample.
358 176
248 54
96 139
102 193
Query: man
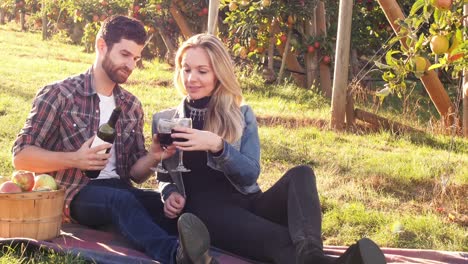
57 139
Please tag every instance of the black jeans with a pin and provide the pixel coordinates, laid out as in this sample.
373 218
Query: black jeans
264 226
138 214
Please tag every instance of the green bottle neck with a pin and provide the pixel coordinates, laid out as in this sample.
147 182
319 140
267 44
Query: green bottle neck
115 115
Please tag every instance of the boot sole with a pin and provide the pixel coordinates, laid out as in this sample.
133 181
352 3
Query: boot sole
370 252
194 237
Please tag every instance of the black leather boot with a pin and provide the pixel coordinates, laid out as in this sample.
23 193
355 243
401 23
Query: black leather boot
365 251
194 241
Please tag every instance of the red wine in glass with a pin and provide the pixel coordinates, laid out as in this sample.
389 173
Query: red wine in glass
178 139
165 139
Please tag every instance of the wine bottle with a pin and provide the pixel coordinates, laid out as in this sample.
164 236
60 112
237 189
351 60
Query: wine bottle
105 134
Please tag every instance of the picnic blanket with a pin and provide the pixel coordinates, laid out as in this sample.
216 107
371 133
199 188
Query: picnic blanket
110 248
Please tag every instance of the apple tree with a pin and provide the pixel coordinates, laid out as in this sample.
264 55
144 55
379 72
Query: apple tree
432 33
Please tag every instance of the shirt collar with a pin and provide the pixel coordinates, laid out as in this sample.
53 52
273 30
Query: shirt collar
89 88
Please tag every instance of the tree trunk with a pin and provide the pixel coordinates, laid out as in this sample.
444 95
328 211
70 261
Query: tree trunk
44 24
311 59
2 16
285 55
291 62
269 72
355 68
430 80
23 20
181 22
340 80
171 50
325 76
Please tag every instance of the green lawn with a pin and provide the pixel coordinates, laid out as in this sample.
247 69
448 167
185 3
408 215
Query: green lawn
369 183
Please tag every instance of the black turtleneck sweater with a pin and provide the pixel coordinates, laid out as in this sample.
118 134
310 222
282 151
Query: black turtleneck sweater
202 179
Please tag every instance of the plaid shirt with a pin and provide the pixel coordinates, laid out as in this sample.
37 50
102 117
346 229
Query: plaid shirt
66 113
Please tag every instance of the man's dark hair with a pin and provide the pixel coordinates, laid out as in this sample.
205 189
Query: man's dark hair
118 27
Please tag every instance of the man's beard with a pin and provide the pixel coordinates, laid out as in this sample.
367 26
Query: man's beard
117 74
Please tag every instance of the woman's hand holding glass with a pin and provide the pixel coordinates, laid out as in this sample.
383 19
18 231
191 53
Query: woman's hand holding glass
197 140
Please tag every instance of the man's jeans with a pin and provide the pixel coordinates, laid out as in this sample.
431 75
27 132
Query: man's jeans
137 214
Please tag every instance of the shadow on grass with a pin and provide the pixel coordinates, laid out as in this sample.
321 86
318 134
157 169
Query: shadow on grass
427 192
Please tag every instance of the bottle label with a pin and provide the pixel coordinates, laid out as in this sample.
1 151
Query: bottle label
97 142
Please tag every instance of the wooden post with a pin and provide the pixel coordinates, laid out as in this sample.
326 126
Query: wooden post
430 80
23 19
213 16
340 80
325 76
465 83
44 20
181 22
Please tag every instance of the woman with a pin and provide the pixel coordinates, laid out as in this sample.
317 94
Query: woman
222 150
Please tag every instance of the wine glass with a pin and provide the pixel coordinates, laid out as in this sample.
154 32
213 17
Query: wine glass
164 128
183 122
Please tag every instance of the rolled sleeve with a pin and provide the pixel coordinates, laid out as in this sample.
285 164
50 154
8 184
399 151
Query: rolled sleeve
42 123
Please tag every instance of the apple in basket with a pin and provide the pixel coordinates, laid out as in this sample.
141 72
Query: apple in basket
44 182
9 187
24 179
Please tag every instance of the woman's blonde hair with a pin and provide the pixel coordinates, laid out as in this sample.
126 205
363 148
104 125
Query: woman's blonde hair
223 117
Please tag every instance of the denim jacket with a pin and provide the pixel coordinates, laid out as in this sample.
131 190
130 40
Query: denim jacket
239 161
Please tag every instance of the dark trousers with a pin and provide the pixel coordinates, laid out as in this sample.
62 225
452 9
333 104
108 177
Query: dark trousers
137 213
264 226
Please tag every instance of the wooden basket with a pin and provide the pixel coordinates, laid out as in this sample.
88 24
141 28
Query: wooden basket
36 215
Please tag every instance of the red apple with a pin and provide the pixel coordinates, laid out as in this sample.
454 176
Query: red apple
326 59
442 4
317 44
44 182
283 38
9 187
24 179
310 49
204 11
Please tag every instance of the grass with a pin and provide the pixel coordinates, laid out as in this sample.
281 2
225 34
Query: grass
369 182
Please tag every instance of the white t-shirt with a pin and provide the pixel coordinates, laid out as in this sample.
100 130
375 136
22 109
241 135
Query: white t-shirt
106 106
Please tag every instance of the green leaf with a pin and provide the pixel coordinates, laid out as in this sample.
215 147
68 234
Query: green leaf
420 42
416 6
389 57
435 66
